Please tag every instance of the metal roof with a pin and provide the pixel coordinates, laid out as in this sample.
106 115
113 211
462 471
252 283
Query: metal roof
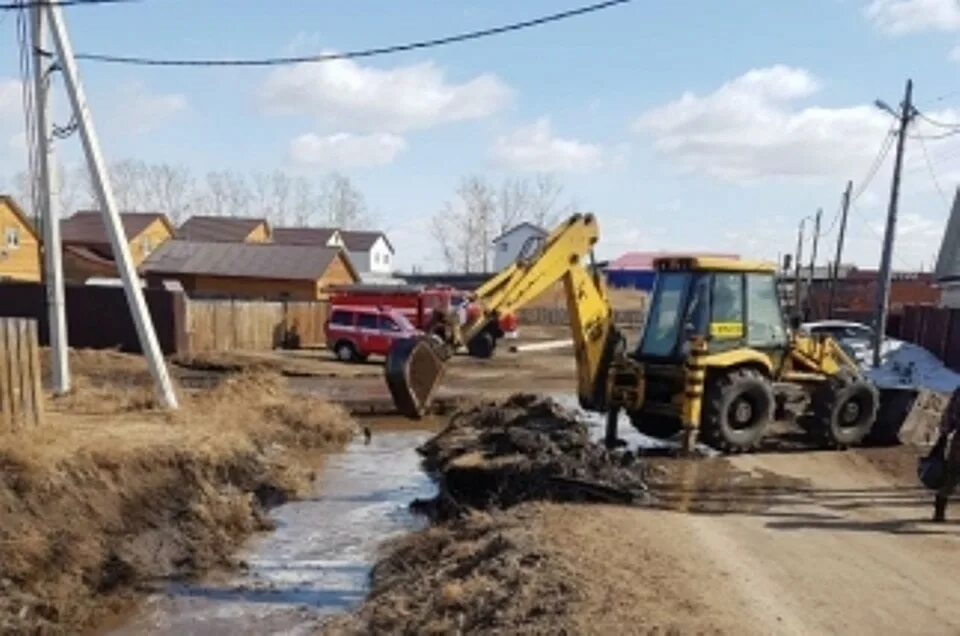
242 260
219 228
948 261
87 226
536 228
303 235
358 241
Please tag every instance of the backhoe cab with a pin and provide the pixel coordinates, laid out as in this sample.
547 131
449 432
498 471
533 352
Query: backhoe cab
719 361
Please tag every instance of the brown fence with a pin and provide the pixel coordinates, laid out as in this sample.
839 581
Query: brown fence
231 325
560 316
936 329
21 398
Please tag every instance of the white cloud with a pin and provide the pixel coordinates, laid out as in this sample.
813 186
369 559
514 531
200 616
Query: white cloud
11 99
349 96
137 111
748 128
534 148
954 54
899 17
344 150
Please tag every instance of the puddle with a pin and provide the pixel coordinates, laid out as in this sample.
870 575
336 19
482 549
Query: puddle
317 560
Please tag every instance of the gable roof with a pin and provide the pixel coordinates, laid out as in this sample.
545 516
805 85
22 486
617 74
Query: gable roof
519 226
644 260
303 235
219 228
243 260
948 260
357 241
19 213
86 226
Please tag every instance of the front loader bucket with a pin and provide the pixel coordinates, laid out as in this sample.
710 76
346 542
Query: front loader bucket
413 370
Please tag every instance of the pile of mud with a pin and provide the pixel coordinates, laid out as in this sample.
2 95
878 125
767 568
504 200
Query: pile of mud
526 448
480 574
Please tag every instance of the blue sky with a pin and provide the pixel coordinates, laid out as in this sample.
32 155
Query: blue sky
683 125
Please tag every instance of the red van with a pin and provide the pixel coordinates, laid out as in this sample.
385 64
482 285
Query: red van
354 332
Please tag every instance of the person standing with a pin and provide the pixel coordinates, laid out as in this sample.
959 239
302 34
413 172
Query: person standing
950 441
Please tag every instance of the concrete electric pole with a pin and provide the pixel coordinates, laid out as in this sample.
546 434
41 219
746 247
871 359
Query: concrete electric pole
49 204
108 207
813 257
797 261
844 208
906 115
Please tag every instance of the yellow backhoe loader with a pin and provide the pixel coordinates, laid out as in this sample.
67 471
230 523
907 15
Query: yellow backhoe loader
715 361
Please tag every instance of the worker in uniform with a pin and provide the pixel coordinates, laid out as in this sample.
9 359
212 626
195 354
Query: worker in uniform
950 439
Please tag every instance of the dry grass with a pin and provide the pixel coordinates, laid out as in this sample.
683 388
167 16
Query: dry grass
112 491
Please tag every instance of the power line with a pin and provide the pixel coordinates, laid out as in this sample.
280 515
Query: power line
934 122
30 4
877 163
933 174
348 55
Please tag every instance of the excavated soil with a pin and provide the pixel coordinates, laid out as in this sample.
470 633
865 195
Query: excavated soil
111 494
526 448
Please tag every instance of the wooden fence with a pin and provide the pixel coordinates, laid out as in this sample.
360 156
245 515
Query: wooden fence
232 325
21 396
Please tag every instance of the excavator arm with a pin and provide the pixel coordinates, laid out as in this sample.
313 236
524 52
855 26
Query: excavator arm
415 367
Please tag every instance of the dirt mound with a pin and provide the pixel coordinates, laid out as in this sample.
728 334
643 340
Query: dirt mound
106 497
482 573
525 448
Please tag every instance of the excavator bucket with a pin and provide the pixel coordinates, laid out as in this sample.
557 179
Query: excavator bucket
413 370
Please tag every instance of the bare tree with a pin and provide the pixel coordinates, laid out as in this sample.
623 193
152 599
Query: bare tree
272 194
464 227
303 202
130 189
226 194
169 190
341 204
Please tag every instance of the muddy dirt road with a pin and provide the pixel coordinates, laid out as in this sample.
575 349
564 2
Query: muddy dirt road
822 542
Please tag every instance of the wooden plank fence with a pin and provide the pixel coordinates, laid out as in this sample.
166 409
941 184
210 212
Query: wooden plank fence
21 395
252 325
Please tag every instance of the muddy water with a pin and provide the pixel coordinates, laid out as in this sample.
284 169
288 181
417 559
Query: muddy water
317 560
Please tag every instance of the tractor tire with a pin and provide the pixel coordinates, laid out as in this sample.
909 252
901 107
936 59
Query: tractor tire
738 408
655 425
844 412
482 345
345 351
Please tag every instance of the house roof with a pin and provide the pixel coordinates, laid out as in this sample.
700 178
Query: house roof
525 224
303 235
357 241
948 261
644 260
243 260
219 228
86 227
19 213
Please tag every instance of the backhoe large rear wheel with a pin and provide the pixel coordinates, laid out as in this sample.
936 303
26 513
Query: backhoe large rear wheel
737 410
844 411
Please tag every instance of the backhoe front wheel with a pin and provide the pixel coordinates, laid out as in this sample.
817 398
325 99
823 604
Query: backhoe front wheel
737 410
844 411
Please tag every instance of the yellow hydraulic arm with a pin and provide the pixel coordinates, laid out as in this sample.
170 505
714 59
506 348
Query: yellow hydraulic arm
412 373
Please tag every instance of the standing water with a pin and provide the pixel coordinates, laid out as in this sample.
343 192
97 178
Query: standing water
317 561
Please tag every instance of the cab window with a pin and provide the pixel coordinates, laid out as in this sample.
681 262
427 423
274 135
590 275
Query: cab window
388 324
663 323
764 321
342 318
367 321
728 298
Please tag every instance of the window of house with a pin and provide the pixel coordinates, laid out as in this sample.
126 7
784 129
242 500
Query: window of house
386 259
503 246
12 238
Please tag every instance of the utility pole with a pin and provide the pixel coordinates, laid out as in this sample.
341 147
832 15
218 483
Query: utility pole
813 257
845 207
797 286
905 115
49 212
108 206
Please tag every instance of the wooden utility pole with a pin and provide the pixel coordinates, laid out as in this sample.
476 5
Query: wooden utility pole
813 257
797 286
845 207
906 115
48 202
108 207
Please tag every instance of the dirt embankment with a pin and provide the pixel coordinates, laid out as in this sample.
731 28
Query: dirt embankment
111 493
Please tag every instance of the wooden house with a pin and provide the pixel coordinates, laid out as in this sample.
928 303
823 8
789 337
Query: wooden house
225 229
19 244
86 244
250 270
